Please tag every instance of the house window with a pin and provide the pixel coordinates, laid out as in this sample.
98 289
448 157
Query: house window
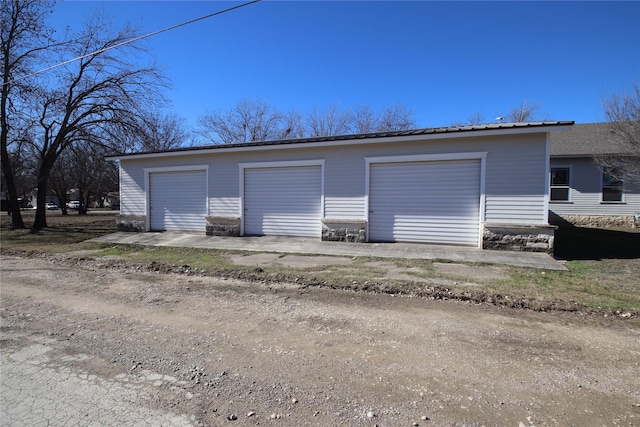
611 186
560 190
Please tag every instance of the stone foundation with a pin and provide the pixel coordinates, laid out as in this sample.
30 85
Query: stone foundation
223 226
344 230
595 221
131 223
525 238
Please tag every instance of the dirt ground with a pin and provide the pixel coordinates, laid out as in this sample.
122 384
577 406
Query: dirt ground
220 352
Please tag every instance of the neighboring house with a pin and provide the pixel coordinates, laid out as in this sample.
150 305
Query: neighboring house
581 191
484 186
112 200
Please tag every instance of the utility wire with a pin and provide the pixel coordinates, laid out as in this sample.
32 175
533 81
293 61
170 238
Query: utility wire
135 39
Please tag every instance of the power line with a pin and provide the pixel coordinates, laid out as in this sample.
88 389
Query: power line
135 39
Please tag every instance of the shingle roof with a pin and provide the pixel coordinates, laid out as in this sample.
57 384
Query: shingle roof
585 140
354 137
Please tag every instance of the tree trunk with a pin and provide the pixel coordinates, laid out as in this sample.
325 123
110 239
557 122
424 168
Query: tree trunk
41 210
82 209
43 184
47 161
7 170
14 206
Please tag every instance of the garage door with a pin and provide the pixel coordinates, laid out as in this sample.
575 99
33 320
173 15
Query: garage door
427 202
178 200
283 201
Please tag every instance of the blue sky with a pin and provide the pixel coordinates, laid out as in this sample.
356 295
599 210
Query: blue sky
443 60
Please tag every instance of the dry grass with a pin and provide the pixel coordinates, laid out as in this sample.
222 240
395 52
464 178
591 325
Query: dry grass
64 233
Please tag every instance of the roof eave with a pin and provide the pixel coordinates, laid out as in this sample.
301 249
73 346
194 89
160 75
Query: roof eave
341 140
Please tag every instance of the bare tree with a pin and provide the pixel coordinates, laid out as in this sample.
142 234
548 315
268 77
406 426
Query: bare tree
330 121
249 120
87 160
395 117
82 168
80 102
25 41
623 115
293 125
525 112
363 119
476 118
86 98
61 180
107 178
151 132
23 166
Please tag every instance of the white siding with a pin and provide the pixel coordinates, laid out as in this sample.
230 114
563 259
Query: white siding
515 209
586 192
283 201
132 196
516 187
344 180
344 207
224 196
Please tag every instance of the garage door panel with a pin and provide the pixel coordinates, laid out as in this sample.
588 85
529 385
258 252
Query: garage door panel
430 202
178 200
283 201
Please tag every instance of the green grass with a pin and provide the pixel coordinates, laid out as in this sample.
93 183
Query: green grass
607 285
603 276
203 259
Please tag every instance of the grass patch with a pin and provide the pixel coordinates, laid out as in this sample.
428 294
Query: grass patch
64 232
207 260
610 285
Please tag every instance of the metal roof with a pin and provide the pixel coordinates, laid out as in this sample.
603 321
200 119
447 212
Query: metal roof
449 130
586 140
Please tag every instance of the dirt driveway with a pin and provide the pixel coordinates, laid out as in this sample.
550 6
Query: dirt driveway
180 350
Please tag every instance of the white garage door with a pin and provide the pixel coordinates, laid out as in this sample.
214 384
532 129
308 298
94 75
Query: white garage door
283 201
427 202
178 200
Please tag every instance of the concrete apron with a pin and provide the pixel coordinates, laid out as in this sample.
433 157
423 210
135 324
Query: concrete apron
313 246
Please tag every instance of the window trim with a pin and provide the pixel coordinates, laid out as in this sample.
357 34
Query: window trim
602 187
568 186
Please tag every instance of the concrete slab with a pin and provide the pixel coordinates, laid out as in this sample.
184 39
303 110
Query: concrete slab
313 246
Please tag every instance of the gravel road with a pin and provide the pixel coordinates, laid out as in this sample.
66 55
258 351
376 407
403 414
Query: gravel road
84 343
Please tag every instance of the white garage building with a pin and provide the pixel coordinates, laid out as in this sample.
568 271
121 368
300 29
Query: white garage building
482 186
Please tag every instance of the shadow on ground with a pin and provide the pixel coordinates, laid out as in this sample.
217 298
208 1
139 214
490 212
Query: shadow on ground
582 243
